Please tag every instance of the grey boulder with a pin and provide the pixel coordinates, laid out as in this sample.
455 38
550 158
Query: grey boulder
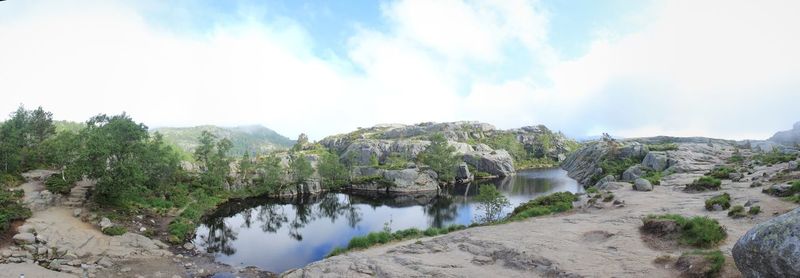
771 249
632 173
642 185
656 160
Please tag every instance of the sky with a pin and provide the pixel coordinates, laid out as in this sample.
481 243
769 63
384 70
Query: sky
724 69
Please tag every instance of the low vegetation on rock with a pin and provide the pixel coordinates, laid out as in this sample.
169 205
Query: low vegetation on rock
722 172
544 205
115 230
701 263
702 232
704 184
386 236
723 200
662 147
11 208
773 157
737 212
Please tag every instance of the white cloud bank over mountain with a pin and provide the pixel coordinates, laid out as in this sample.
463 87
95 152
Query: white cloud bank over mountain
712 68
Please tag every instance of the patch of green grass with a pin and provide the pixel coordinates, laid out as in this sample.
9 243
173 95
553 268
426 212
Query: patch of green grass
482 175
592 190
737 212
724 200
714 257
654 177
697 231
736 158
115 230
754 210
721 172
704 183
383 237
662 147
774 157
544 205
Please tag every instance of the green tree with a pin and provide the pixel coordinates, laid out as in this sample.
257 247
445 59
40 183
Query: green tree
21 139
211 155
270 173
440 156
246 166
127 163
113 156
492 202
301 168
334 174
63 151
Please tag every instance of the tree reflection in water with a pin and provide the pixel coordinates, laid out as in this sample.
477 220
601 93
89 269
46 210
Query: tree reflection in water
272 216
441 212
219 238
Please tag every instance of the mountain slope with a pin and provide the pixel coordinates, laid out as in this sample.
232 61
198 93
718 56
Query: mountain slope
788 137
253 139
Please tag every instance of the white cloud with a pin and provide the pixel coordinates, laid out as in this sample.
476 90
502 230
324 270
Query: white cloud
713 68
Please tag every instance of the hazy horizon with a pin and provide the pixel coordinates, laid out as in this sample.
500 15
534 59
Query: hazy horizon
722 69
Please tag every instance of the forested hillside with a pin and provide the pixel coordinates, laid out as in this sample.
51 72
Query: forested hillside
253 139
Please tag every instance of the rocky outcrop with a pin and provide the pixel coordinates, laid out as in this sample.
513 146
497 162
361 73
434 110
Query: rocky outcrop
361 151
495 162
693 156
409 140
463 174
656 161
412 180
584 163
771 249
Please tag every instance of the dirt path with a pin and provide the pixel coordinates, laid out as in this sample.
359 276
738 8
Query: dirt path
593 242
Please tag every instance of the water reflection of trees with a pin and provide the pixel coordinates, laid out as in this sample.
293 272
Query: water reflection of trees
219 238
273 215
444 210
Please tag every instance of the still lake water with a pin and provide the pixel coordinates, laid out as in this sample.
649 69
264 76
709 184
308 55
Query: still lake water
281 234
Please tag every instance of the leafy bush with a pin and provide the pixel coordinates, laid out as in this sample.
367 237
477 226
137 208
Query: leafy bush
9 180
592 190
704 183
697 231
58 185
721 172
662 147
737 212
395 161
754 210
115 230
723 200
11 209
432 231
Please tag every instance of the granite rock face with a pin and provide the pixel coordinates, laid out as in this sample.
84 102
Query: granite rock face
771 249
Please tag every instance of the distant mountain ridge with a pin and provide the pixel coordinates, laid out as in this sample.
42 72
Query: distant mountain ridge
788 137
251 138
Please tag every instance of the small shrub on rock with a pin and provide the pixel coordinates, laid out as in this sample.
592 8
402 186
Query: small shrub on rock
115 230
721 172
754 210
737 212
58 185
662 147
704 184
723 200
553 203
